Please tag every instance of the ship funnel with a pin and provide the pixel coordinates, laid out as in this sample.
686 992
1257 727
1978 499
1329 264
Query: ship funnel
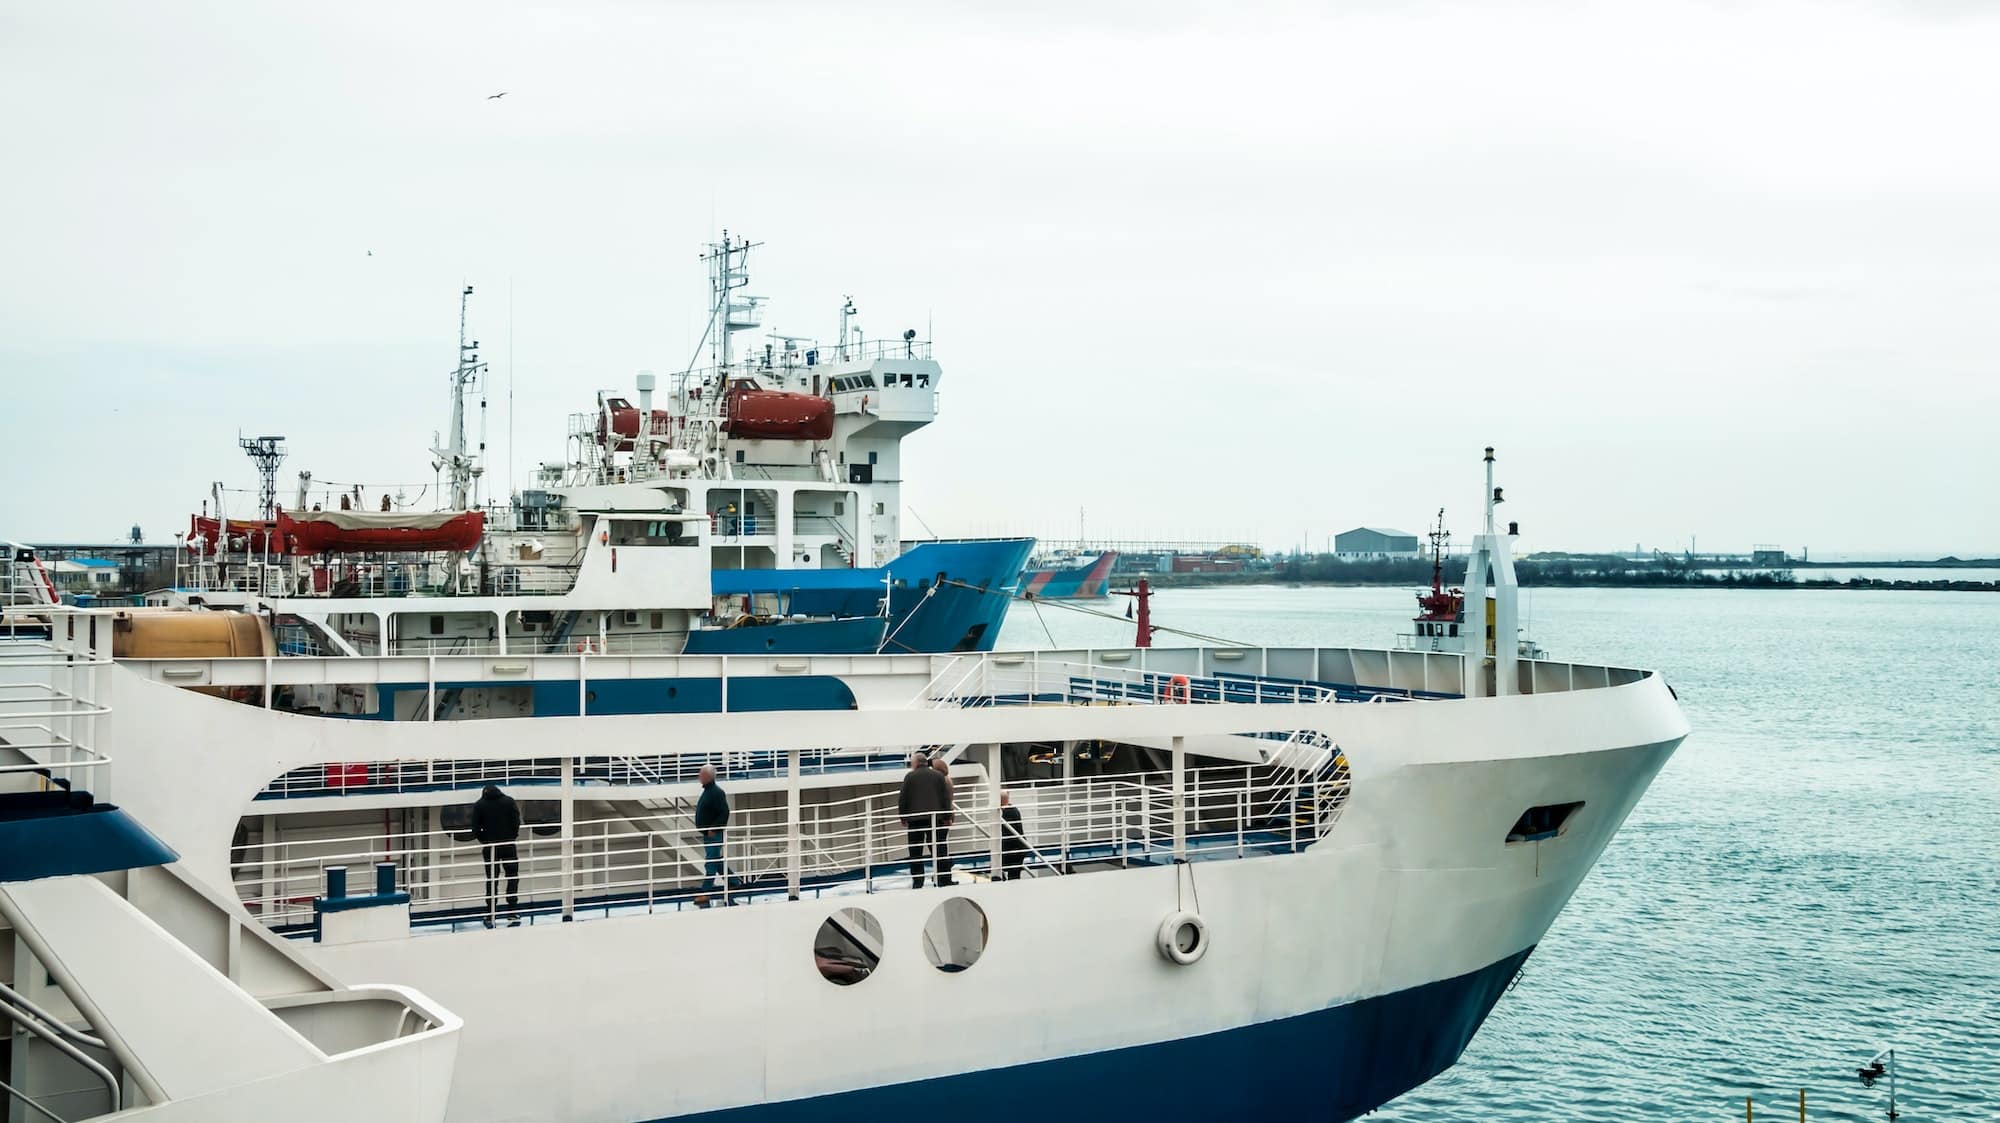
646 384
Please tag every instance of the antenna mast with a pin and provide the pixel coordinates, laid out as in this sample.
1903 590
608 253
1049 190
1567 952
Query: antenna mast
728 271
462 464
267 453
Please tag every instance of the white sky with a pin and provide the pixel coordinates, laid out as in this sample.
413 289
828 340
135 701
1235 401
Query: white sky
1205 270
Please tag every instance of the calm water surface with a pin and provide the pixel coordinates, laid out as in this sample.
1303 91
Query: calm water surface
1813 875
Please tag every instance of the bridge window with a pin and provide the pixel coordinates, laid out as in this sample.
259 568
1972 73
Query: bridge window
848 947
1546 821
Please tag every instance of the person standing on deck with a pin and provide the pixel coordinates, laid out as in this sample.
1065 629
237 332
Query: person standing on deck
950 819
1013 840
925 798
496 824
711 815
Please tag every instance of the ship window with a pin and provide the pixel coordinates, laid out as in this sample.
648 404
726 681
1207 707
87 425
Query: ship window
848 947
878 508
739 456
437 625
1546 821
955 935
873 457
659 621
839 508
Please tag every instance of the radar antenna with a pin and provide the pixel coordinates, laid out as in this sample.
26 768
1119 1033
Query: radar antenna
267 453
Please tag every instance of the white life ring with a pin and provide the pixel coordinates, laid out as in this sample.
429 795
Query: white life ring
1183 937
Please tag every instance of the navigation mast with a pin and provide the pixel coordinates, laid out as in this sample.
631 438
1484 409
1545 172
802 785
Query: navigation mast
728 271
464 467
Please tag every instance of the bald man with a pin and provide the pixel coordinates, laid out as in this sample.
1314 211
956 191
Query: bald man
711 815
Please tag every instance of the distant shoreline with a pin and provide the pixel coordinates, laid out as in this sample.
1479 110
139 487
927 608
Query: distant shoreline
1599 580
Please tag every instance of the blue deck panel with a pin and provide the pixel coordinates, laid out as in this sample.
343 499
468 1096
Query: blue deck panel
63 833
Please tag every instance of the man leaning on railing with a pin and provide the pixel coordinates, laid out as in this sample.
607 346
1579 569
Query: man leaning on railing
496 824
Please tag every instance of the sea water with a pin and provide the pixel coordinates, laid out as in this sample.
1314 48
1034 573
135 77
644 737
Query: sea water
1815 874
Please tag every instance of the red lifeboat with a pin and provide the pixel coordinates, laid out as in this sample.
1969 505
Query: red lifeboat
258 536
777 414
321 532
618 424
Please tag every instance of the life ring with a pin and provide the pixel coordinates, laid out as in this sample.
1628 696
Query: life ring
1183 938
1176 690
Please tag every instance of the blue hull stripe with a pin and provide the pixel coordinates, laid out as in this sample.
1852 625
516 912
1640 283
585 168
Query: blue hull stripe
1326 1066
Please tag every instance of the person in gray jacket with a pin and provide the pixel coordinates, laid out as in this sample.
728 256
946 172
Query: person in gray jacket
925 808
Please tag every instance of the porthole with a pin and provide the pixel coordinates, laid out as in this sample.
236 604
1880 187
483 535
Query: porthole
955 935
848 947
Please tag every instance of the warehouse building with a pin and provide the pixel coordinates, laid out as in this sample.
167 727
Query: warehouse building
1369 542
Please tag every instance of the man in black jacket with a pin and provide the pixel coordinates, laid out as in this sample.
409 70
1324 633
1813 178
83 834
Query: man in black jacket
925 807
711 815
1013 840
496 823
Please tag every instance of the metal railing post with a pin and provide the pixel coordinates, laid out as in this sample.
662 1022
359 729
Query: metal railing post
1243 817
1180 799
792 827
568 804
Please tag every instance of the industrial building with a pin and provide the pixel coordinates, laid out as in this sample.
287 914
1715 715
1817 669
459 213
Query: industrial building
1370 542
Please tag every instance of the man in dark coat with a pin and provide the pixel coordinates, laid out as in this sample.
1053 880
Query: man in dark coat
496 823
711 815
925 806
1013 840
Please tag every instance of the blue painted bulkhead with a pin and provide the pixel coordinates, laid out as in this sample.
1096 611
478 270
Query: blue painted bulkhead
1328 1065
558 697
856 635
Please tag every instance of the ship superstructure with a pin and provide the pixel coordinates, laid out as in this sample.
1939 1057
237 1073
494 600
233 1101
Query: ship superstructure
753 506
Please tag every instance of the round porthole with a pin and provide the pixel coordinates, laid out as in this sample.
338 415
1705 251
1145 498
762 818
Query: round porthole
955 935
848 947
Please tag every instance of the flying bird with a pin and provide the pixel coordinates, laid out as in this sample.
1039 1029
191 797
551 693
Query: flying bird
495 97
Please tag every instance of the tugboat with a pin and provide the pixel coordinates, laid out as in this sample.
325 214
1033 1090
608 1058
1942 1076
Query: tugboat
1073 574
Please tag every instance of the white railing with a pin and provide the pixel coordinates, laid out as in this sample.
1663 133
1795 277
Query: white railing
50 698
591 774
654 859
1005 678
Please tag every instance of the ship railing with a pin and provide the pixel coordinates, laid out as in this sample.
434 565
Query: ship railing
610 860
51 700
598 777
1026 678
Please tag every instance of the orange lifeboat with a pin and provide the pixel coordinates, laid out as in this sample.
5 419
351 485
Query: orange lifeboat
777 415
320 532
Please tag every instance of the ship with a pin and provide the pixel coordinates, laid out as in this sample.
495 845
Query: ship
1202 882
752 505
1068 575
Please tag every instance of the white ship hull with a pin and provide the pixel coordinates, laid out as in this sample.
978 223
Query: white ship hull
1336 977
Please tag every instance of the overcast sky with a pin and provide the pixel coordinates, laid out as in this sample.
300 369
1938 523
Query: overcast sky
1202 270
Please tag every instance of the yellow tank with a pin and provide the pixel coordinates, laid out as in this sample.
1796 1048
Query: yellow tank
174 634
